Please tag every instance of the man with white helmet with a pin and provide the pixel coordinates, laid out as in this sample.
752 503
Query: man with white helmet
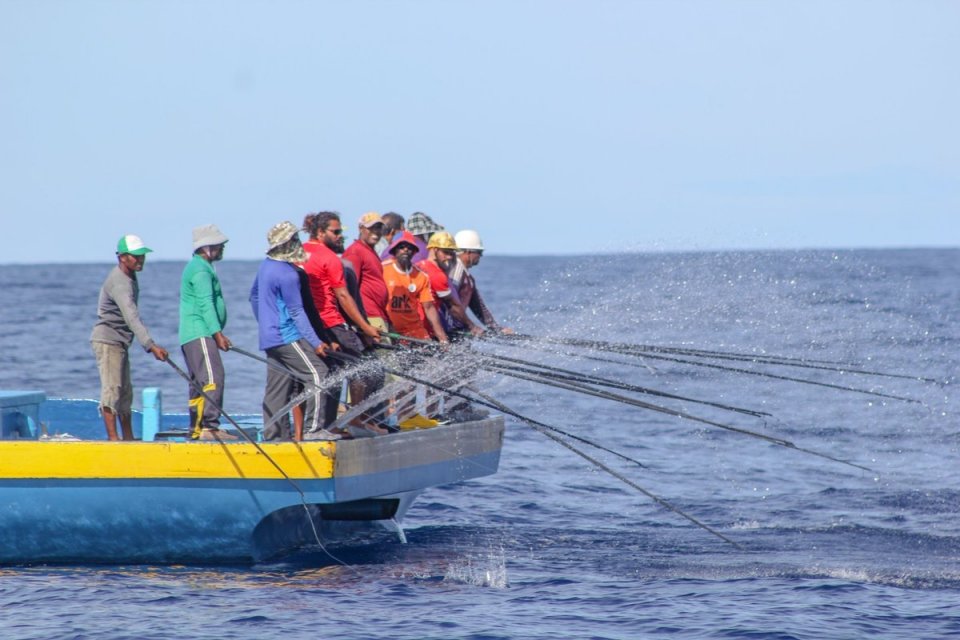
469 252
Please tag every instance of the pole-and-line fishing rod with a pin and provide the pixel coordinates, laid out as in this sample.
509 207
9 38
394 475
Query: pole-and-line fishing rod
764 374
619 476
569 374
751 372
603 345
574 376
583 388
547 431
786 361
572 436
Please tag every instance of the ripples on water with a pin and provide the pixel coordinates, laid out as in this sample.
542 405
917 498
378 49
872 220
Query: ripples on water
550 546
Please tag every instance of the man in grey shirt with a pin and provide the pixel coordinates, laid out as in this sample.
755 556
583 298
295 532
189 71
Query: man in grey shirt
118 321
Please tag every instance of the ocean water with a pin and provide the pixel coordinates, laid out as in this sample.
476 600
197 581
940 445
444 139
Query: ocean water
553 546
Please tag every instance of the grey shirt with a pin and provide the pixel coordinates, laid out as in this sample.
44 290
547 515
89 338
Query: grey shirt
118 319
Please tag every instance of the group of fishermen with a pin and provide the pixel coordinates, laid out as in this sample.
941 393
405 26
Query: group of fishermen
318 306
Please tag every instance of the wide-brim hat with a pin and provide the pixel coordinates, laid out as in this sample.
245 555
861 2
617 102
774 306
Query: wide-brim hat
133 245
420 224
208 235
283 241
402 238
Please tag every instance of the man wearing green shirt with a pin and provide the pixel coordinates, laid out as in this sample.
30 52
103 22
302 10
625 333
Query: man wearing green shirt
203 314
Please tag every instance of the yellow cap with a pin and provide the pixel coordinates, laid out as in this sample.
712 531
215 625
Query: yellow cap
370 218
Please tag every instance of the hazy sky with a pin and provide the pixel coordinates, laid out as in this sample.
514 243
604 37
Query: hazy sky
549 126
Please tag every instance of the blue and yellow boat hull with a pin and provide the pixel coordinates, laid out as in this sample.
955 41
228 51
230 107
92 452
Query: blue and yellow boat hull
203 502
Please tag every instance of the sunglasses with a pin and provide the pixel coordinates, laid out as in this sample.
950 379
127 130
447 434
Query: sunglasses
336 232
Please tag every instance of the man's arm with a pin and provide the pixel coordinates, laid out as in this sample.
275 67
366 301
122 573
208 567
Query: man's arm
350 308
122 294
289 286
480 310
458 312
434 319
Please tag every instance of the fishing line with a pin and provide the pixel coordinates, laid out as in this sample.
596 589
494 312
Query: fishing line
680 414
613 346
546 430
566 374
642 349
303 498
619 476
572 436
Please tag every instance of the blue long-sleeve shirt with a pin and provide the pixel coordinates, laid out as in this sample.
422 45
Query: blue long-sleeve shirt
278 306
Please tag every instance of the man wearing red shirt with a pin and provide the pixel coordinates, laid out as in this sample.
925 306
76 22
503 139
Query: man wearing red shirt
328 288
373 289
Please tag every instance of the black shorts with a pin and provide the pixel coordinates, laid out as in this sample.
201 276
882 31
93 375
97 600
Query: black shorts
348 340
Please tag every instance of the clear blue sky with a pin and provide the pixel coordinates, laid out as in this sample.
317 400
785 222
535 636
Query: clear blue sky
549 126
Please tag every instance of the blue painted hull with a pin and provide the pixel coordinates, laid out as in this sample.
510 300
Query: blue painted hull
239 519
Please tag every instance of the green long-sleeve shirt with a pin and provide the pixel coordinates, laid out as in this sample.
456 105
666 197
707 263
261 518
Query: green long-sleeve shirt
203 311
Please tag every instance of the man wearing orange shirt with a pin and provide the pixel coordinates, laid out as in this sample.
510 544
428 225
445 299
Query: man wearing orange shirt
410 299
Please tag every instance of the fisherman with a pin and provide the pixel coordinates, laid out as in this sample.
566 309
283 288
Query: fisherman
362 253
118 321
408 291
349 271
441 252
422 226
392 225
287 337
469 252
333 300
328 286
203 315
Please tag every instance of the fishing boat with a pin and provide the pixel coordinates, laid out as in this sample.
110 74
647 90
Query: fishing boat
67 497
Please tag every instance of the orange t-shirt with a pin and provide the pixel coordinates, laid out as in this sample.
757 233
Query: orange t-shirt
406 294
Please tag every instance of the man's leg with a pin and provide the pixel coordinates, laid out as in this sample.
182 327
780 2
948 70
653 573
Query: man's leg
125 404
110 422
110 364
126 425
278 392
206 372
300 359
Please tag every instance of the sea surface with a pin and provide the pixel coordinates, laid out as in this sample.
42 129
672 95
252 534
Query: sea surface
554 546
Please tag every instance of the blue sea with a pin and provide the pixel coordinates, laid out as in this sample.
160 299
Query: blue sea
553 546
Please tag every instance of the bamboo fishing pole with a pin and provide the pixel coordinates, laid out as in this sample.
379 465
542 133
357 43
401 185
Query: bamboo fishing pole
547 431
580 388
646 350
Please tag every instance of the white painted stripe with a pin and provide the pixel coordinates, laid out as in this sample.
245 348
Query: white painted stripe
206 360
318 399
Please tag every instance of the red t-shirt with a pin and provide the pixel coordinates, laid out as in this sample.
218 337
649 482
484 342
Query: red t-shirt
325 273
408 292
439 283
373 289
